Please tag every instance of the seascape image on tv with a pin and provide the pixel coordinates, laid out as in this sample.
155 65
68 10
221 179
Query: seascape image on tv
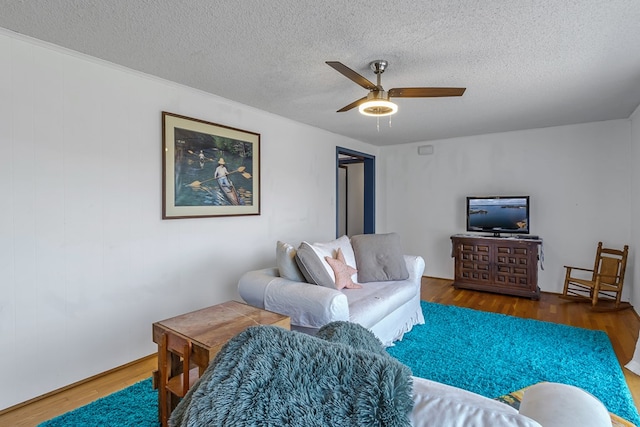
497 214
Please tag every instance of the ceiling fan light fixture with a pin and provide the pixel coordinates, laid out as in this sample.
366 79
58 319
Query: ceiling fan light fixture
378 105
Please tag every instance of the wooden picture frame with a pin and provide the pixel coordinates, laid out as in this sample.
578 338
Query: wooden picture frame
208 169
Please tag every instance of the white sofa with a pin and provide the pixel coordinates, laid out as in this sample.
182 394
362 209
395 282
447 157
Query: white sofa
389 308
543 405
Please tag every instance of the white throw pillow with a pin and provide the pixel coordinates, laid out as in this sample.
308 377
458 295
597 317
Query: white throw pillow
285 260
330 249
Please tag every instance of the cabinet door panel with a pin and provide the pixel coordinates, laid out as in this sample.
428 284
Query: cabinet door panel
493 264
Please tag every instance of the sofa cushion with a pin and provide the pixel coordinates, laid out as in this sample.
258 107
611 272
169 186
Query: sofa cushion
285 260
311 266
376 300
437 404
342 272
379 257
314 267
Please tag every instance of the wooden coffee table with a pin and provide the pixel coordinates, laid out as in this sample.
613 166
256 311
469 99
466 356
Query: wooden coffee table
206 330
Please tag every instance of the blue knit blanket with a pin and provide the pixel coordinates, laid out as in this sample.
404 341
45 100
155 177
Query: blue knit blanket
267 376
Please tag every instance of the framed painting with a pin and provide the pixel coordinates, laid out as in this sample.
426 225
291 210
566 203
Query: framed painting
208 169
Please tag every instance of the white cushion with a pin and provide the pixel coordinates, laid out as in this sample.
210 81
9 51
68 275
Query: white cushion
437 404
329 249
376 300
563 405
285 260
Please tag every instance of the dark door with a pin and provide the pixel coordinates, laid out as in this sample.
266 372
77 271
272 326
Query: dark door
355 192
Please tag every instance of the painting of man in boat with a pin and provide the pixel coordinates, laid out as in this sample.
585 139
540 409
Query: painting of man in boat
214 169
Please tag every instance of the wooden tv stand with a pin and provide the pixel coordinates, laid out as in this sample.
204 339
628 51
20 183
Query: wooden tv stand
505 265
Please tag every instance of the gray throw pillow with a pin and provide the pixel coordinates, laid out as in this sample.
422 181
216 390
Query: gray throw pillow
312 267
285 260
379 257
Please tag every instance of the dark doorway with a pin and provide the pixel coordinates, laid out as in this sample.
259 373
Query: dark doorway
355 192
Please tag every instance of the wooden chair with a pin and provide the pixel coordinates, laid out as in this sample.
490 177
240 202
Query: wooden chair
605 283
175 375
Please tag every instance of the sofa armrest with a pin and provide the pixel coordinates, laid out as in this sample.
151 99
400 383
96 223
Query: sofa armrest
415 266
308 306
554 404
252 285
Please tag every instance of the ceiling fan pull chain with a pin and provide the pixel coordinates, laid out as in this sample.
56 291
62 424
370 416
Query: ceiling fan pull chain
378 120
389 121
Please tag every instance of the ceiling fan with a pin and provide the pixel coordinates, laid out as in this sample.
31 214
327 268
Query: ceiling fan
377 102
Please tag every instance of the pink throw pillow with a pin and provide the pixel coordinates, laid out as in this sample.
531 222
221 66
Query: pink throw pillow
342 271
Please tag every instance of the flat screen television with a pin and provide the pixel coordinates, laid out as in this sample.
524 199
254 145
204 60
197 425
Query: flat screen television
498 214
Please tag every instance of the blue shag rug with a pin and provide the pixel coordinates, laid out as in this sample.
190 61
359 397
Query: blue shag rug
495 354
136 405
490 354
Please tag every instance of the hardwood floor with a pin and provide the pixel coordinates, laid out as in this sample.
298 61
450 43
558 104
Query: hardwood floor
622 328
51 405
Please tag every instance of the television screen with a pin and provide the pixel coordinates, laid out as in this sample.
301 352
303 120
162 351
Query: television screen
498 214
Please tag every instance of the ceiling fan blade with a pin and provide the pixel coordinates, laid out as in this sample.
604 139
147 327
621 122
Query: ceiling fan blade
352 75
352 105
425 92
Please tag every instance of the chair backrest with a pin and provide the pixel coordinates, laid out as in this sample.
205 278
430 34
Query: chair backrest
610 265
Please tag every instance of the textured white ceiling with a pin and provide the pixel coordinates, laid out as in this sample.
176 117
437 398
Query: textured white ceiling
525 63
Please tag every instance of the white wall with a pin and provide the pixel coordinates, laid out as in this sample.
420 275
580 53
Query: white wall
635 200
86 263
578 178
